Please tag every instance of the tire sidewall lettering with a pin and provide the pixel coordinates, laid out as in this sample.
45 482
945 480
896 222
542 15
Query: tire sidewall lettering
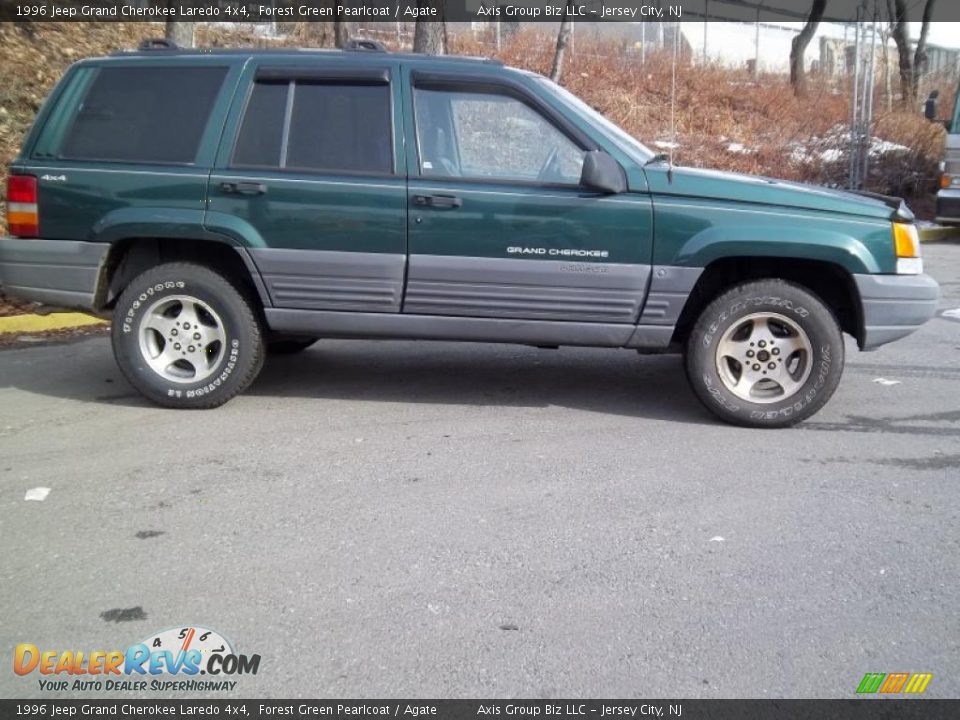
128 321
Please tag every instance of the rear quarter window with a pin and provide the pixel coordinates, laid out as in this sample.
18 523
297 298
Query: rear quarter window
143 114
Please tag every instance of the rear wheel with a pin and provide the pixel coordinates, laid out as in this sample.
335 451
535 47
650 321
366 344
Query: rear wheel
765 354
185 337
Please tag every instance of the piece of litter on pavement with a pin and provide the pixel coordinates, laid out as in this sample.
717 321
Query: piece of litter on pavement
884 381
955 313
716 538
39 494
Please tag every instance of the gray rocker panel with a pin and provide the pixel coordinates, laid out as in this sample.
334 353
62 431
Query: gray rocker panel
536 289
331 279
434 327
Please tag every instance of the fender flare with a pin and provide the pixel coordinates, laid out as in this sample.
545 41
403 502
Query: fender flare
173 224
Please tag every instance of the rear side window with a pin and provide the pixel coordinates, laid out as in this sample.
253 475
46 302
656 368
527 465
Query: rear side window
144 114
330 127
262 133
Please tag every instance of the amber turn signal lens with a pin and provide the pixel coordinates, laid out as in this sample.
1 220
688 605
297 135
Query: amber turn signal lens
906 240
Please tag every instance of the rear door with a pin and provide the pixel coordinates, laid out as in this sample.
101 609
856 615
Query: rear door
499 226
308 175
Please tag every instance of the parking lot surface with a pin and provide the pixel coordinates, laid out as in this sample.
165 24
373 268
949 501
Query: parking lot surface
381 519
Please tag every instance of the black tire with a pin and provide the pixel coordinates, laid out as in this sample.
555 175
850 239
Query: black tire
288 344
227 366
774 306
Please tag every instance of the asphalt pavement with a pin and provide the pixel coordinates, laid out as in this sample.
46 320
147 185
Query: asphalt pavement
399 519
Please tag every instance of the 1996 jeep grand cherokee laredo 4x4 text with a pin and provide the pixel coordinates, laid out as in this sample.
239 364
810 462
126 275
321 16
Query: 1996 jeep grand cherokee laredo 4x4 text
216 203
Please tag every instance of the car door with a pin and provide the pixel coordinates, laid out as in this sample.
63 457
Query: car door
308 177
499 226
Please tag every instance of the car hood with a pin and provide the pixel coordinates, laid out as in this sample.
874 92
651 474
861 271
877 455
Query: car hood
757 190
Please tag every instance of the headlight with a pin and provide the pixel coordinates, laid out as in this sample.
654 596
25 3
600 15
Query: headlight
906 242
949 181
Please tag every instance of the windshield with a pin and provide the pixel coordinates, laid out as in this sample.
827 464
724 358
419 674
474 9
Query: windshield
626 142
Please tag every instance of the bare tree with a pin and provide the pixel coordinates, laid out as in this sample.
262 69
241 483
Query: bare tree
798 47
180 33
920 53
341 28
900 32
913 62
177 32
563 37
430 36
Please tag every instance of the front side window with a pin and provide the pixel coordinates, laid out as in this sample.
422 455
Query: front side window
486 135
330 127
144 114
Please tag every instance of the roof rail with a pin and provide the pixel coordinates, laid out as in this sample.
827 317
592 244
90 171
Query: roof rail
158 44
357 45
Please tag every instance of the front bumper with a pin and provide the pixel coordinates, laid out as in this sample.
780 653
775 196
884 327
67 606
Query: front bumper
948 206
55 272
894 306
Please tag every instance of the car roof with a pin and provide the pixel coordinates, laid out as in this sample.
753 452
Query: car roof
359 55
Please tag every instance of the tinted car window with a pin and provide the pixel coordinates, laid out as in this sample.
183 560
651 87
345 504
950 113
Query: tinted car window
144 114
333 127
491 136
262 131
341 127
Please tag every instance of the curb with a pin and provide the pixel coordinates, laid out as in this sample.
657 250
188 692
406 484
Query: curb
939 234
42 323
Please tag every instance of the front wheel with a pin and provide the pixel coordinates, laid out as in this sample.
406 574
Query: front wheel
185 337
765 354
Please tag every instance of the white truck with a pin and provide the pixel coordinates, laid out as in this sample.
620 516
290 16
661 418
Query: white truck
948 199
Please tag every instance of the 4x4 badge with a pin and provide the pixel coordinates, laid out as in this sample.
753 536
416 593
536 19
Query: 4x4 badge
54 178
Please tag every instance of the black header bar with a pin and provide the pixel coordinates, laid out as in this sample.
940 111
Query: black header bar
873 709
771 11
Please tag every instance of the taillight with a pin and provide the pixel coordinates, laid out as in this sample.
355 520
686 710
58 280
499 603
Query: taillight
23 219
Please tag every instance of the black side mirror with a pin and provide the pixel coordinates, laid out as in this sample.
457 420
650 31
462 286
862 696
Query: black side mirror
602 173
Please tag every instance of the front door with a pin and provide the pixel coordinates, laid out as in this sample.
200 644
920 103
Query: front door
308 177
498 224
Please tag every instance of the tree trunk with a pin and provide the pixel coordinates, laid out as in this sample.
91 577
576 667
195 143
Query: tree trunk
430 36
341 30
180 33
798 47
920 54
900 32
563 37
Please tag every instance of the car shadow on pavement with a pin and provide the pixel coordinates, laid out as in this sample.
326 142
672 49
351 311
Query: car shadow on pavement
619 382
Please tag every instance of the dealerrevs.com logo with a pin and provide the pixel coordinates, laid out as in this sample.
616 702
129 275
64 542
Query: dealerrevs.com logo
894 683
168 661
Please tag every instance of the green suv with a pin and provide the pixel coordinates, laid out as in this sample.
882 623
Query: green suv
220 204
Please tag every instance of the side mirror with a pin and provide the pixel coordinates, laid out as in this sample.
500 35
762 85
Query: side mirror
602 173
